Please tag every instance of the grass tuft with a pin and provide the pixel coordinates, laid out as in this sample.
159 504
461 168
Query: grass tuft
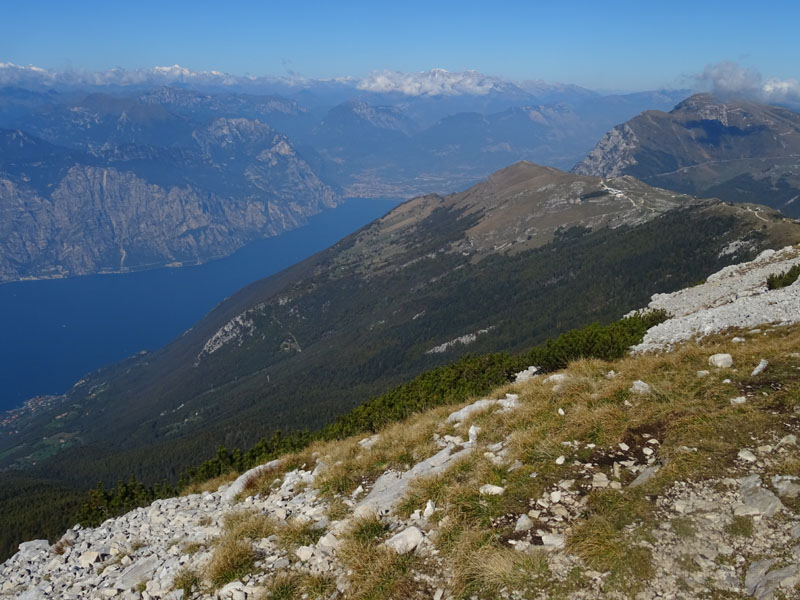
210 485
368 530
298 533
249 524
378 573
294 586
233 558
740 526
186 580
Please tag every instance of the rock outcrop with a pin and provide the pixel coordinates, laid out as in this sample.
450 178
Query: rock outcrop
736 532
736 296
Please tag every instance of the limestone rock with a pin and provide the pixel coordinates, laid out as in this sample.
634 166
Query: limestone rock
237 487
552 541
88 558
786 485
746 455
720 361
646 475
304 553
30 549
760 368
756 500
406 540
491 490
524 523
141 570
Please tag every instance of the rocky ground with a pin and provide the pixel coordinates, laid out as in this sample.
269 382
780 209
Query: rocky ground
650 478
141 554
736 296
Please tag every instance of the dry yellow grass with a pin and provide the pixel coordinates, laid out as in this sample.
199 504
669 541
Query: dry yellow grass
297 586
378 573
698 430
683 410
233 558
399 446
297 533
211 485
249 524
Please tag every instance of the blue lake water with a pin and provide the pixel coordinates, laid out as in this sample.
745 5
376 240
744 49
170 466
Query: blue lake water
52 332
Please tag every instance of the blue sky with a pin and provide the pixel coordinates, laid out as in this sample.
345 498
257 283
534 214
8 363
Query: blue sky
600 44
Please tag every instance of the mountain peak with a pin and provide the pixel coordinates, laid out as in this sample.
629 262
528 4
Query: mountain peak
737 150
694 101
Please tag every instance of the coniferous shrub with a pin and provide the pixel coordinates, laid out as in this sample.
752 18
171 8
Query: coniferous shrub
785 279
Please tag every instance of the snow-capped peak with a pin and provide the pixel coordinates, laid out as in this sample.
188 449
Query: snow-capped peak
436 82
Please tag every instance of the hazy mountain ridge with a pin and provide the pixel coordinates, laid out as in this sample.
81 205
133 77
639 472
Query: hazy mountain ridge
329 137
738 150
391 149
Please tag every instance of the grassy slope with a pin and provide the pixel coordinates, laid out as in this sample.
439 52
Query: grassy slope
526 315
612 533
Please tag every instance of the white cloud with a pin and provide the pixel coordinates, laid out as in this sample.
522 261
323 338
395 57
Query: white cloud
11 74
782 90
727 79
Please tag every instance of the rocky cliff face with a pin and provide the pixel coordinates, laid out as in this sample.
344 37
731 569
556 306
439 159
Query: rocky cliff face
140 207
612 155
661 475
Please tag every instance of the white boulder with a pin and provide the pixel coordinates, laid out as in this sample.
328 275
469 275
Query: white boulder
405 541
721 361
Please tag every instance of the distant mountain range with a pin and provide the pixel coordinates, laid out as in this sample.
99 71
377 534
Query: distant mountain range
116 171
737 150
527 253
435 82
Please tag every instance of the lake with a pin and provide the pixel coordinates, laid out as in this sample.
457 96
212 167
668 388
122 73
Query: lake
52 332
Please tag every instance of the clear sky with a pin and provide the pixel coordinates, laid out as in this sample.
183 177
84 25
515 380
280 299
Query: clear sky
599 44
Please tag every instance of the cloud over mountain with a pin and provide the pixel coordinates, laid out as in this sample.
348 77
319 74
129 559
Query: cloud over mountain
726 79
436 82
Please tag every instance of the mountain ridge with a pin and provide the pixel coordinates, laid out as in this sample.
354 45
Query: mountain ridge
139 207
